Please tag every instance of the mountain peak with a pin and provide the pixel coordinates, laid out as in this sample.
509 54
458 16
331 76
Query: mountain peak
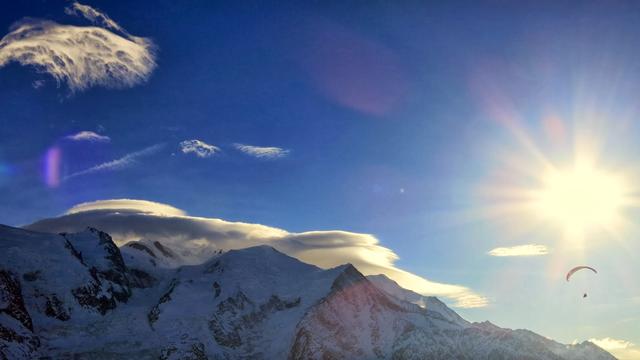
57 290
430 303
349 276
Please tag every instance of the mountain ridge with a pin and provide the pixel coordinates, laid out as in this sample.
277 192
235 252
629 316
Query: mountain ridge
80 296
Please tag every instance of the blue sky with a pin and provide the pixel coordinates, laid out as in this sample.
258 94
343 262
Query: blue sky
389 118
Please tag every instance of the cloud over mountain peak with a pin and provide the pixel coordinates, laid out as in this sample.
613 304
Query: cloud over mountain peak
130 220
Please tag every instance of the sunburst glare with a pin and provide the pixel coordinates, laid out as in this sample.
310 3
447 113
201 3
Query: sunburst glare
558 174
581 197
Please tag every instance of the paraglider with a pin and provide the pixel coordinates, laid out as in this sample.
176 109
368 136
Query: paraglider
576 269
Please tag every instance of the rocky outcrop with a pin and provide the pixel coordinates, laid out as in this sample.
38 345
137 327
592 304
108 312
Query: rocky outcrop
55 308
110 283
236 318
141 279
164 250
192 351
154 313
11 300
17 340
139 246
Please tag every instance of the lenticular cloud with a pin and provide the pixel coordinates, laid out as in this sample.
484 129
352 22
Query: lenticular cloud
80 56
131 220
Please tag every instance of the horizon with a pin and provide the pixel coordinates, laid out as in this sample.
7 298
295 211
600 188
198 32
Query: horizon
473 151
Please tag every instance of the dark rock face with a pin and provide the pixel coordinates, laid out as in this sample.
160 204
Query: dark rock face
16 331
73 250
222 326
113 254
165 251
111 279
11 299
154 314
195 351
141 247
31 276
216 288
141 279
90 296
236 317
214 267
54 308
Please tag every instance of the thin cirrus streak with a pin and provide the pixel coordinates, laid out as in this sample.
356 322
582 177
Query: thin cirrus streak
118 164
263 152
520 250
80 56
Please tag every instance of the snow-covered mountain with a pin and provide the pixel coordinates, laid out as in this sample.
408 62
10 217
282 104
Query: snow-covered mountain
431 303
79 296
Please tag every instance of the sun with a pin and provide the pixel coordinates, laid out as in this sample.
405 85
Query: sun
581 197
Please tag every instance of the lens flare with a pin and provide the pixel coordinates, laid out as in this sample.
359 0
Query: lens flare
5 172
52 160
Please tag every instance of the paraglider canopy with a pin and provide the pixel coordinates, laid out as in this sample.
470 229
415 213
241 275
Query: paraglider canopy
578 268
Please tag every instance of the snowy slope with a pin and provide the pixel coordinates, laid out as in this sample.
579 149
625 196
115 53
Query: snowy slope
430 303
78 296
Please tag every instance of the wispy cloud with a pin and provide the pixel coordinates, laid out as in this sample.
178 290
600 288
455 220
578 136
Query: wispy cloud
130 220
520 250
622 349
96 17
118 164
199 148
80 56
37 84
262 152
89 136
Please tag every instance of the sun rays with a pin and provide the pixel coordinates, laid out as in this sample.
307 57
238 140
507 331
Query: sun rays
564 169
581 197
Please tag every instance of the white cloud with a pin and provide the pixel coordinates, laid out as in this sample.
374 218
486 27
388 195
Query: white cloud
520 250
130 220
143 206
263 152
200 148
89 136
118 164
621 349
93 15
80 56
611 344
